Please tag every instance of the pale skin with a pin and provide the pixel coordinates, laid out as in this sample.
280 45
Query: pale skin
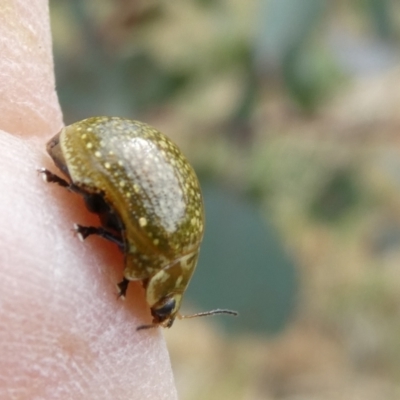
64 334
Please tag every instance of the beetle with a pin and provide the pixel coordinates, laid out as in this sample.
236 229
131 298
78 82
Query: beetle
148 199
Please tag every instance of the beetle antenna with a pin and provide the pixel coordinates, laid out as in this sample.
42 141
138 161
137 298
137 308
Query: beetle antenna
212 312
200 314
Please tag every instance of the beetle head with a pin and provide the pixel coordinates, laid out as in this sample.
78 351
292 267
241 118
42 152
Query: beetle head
165 311
165 289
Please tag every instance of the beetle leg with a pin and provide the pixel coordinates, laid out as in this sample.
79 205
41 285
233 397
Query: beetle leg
50 177
84 231
53 178
123 287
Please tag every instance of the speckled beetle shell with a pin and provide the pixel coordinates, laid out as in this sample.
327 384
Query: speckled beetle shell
144 190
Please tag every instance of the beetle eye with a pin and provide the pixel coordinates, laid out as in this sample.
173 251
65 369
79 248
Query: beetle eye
166 309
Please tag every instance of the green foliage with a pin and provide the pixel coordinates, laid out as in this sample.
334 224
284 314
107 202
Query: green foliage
244 265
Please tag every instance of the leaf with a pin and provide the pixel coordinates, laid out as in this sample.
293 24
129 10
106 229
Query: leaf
243 266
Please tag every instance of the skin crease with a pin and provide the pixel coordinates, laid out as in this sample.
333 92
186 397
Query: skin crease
63 332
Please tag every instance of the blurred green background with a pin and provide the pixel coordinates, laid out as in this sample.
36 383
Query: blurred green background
289 112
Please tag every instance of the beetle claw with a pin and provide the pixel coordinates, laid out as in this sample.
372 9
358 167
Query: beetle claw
120 296
79 232
122 288
43 174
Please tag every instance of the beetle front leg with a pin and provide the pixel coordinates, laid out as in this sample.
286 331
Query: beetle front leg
49 177
84 231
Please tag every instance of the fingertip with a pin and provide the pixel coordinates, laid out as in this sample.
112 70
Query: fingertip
28 104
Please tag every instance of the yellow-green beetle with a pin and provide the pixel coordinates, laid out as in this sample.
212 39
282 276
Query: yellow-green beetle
147 197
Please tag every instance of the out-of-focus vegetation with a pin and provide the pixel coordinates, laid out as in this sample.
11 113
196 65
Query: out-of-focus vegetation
289 110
